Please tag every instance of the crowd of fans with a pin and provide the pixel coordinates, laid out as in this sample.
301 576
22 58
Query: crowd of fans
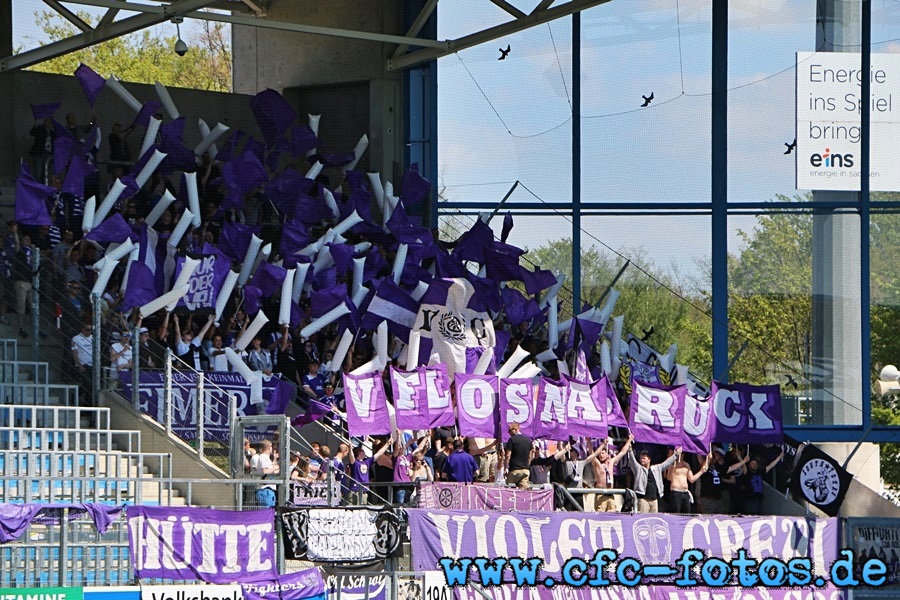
727 480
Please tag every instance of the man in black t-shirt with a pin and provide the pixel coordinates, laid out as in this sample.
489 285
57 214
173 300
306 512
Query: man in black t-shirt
440 458
519 452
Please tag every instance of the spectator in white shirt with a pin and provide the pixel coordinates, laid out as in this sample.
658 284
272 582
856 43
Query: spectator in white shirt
120 356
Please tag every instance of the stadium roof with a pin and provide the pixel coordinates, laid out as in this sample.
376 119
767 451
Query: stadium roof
411 49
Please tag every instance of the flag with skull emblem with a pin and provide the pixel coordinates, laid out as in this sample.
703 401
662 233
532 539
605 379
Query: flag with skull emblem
447 324
820 480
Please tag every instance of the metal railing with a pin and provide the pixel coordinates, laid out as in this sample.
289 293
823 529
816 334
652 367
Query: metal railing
44 394
24 371
36 476
62 417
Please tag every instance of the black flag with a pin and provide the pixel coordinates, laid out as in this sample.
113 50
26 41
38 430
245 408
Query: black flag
820 480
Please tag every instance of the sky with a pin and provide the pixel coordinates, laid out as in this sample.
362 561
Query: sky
500 120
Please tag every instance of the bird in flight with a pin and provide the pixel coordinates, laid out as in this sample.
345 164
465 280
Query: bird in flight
791 147
647 333
791 381
647 100
504 53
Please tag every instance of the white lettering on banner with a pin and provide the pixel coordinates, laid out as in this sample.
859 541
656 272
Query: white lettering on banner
438 395
518 401
156 549
476 398
555 540
200 285
361 393
580 404
404 390
334 534
758 419
696 415
191 592
554 404
727 404
654 407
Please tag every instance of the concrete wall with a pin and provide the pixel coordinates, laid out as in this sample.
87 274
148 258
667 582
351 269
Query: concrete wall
41 88
315 70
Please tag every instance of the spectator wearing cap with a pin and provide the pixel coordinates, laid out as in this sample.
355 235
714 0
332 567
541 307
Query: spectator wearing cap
334 403
120 354
313 383
147 357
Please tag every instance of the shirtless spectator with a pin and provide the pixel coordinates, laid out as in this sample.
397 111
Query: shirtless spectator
680 477
603 467
484 450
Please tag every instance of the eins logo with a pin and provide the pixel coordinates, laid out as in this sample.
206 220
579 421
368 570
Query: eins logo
831 160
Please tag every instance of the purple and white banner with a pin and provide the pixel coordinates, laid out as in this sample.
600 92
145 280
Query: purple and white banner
219 387
302 585
555 410
358 587
657 413
458 496
367 410
206 280
652 539
643 592
747 414
422 397
586 409
216 546
517 406
476 401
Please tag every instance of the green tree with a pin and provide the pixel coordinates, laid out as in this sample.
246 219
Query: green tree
143 57
650 297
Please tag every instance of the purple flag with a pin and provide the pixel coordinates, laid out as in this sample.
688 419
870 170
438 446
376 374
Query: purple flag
242 547
519 309
90 81
142 281
302 140
241 175
394 305
74 181
550 417
252 296
147 112
235 239
476 405
231 146
415 187
536 280
699 424
585 409
473 244
747 414
206 280
293 237
114 229
507 226
316 411
342 254
273 114
517 406
615 417
42 111
657 413
301 585
268 278
31 199
422 397
367 411
473 355
65 145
